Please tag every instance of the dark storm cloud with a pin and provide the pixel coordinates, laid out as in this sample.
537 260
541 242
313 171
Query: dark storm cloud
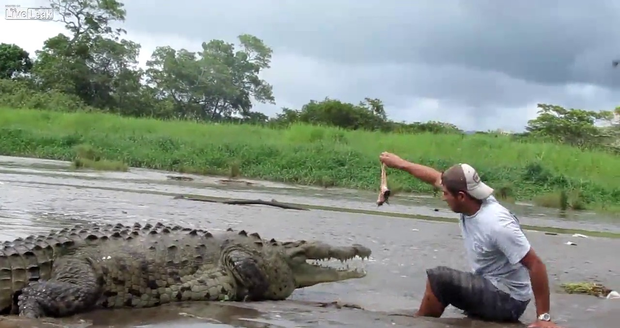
478 56
469 98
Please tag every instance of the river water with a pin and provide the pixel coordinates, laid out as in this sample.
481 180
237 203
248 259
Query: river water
39 195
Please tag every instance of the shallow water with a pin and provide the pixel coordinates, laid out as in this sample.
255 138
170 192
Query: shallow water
37 195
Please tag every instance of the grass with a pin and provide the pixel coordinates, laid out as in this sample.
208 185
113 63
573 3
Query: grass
562 200
89 158
313 155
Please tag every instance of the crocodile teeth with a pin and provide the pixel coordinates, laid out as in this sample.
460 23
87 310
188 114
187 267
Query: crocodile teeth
347 264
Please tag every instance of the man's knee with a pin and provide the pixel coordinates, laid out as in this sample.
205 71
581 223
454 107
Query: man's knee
442 275
439 270
441 280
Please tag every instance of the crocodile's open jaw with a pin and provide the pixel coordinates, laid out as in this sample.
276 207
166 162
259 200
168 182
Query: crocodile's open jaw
312 273
323 263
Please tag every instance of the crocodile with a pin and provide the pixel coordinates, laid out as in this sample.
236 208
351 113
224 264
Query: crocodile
99 265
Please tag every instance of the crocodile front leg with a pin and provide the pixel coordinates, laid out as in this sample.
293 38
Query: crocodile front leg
73 288
246 268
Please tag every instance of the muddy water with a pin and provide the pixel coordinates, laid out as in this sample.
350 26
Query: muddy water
36 196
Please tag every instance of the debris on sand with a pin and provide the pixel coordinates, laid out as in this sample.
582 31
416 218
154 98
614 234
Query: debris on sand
613 295
179 178
273 202
587 288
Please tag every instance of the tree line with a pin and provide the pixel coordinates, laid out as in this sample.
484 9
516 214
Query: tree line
91 67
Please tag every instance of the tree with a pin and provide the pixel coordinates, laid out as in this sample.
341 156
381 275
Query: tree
91 67
96 69
215 83
368 115
92 63
90 17
376 106
13 60
432 127
573 126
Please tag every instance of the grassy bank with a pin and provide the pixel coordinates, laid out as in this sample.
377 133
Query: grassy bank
314 155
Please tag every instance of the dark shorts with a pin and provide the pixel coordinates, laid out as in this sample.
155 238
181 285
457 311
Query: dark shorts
475 295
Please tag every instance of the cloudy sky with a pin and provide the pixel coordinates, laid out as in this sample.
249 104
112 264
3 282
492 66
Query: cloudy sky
479 64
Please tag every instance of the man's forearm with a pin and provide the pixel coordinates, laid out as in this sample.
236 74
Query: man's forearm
424 173
540 287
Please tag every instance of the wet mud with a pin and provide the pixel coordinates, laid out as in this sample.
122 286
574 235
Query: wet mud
36 199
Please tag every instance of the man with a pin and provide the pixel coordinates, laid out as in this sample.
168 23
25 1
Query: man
505 268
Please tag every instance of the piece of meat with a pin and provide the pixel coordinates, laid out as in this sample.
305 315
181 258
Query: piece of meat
384 191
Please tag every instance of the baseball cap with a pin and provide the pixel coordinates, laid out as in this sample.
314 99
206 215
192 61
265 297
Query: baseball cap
463 177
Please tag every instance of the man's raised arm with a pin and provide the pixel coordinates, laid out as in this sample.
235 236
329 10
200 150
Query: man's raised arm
423 173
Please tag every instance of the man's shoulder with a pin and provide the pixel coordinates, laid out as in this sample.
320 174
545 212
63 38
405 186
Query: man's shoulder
493 208
498 217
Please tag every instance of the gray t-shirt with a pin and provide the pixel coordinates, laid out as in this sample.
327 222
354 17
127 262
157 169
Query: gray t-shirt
495 245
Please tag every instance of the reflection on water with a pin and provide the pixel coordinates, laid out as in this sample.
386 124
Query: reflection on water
37 199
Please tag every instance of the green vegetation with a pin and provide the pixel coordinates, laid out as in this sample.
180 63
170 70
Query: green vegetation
308 154
586 288
83 98
88 158
562 200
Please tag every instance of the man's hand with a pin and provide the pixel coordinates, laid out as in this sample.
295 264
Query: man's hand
424 173
543 324
390 160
